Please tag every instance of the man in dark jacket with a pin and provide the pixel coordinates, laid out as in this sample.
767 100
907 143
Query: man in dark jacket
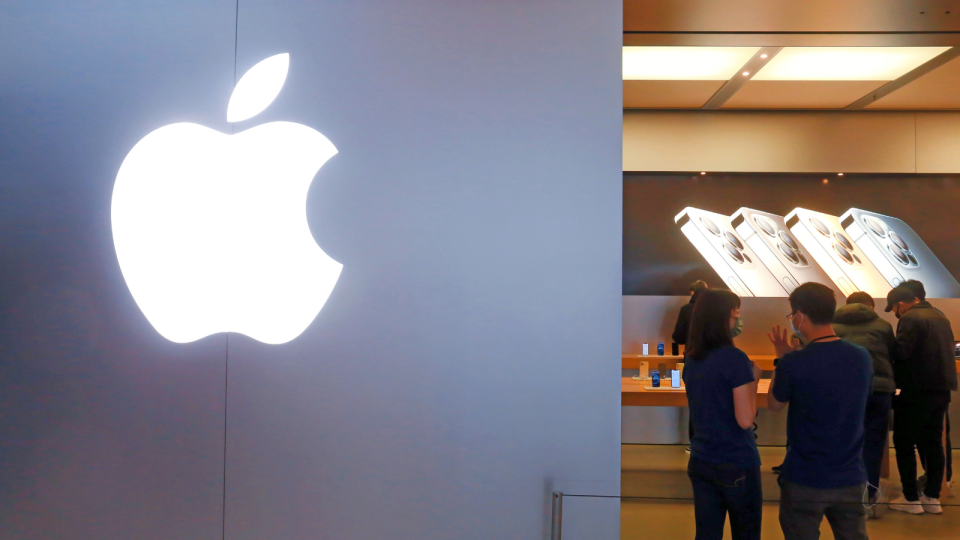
926 372
682 327
858 323
921 293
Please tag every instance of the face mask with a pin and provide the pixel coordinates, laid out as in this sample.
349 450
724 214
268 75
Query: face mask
896 311
737 327
794 328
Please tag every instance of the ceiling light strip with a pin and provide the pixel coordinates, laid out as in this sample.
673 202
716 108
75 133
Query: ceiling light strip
683 63
905 79
760 59
846 63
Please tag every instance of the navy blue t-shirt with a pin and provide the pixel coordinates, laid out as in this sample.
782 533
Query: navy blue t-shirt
826 385
717 437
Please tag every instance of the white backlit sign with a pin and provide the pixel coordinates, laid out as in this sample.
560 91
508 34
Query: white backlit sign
211 229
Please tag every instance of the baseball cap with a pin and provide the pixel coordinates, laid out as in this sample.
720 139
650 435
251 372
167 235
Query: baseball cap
897 295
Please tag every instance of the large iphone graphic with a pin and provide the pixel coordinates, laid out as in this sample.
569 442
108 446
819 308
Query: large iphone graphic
898 252
735 262
824 238
778 250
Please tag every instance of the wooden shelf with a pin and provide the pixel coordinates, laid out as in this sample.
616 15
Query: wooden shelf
634 394
632 361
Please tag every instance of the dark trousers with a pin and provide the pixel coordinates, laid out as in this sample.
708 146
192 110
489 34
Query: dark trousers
948 452
803 508
722 489
875 423
918 422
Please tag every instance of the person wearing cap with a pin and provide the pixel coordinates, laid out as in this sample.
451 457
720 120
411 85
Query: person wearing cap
920 291
858 323
926 373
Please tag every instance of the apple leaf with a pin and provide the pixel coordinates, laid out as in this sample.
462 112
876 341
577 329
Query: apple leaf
258 87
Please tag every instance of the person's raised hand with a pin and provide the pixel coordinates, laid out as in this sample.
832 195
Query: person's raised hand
780 340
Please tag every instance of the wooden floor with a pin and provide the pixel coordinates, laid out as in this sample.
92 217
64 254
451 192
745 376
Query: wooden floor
651 472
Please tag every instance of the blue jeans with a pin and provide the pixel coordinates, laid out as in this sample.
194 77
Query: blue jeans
722 489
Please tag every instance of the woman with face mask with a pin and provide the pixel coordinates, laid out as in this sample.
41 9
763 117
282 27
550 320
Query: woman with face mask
721 385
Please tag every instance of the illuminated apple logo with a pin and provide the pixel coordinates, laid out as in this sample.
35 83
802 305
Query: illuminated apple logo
211 229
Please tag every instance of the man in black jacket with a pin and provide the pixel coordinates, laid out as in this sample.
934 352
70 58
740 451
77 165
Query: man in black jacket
925 372
682 327
921 293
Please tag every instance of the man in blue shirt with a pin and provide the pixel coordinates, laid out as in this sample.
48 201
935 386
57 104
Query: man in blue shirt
826 384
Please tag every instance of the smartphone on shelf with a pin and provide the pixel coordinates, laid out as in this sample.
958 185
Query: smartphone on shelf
778 250
824 238
732 259
898 252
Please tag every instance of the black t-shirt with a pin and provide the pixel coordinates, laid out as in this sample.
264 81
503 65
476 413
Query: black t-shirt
826 385
717 437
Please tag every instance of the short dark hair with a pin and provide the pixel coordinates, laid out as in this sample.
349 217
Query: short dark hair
916 287
816 301
710 322
698 285
860 297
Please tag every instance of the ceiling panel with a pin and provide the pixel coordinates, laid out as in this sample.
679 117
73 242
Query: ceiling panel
800 94
668 94
935 90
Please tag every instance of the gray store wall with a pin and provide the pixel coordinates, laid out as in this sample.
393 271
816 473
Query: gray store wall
459 372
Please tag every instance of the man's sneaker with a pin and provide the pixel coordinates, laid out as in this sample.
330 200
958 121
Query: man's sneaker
901 504
930 506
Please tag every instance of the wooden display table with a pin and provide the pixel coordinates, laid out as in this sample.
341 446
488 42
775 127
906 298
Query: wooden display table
632 361
635 394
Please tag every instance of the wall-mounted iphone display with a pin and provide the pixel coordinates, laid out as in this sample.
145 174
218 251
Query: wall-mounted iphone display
779 251
824 238
735 262
898 252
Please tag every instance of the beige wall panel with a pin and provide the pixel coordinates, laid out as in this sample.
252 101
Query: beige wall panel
799 94
768 141
780 16
935 90
938 142
668 94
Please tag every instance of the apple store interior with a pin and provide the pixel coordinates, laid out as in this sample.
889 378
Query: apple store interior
300 270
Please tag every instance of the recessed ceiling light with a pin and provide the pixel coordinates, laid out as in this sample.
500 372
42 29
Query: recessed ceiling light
703 173
845 63
745 73
839 174
684 63
763 55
